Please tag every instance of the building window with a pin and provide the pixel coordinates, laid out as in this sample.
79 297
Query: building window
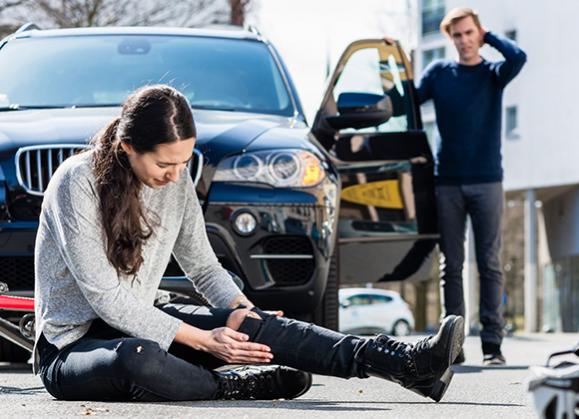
511 123
432 14
512 35
430 55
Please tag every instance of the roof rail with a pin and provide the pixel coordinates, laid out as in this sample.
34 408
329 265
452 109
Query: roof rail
253 29
28 27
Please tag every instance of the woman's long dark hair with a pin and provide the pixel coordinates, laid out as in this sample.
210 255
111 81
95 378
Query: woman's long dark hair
150 116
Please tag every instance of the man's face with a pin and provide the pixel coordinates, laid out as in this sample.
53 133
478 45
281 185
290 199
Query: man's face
467 39
163 165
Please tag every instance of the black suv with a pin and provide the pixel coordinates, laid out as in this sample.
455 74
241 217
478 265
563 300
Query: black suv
292 210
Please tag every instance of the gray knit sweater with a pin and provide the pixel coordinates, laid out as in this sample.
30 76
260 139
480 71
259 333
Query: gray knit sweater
75 283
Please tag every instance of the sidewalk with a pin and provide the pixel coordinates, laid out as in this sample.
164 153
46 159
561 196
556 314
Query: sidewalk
476 392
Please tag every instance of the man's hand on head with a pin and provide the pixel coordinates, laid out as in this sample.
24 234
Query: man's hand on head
482 31
389 40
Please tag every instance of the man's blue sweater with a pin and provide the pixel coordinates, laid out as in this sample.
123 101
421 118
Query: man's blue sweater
468 104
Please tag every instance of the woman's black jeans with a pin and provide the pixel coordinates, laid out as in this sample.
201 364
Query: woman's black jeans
106 364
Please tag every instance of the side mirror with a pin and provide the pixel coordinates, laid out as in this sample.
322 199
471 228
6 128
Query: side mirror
361 110
345 304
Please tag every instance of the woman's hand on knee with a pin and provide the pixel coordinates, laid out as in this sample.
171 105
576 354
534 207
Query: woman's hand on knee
233 347
238 316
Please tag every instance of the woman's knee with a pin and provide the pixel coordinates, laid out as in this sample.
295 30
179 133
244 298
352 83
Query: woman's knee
137 356
238 316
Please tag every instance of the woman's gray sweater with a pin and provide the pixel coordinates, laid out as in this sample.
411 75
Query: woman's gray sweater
75 282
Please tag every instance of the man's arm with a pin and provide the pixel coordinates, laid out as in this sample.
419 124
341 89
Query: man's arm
515 57
424 87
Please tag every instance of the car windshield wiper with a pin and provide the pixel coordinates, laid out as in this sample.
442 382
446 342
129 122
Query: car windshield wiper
214 108
16 107
95 105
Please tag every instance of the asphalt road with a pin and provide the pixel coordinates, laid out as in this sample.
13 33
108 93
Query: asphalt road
476 392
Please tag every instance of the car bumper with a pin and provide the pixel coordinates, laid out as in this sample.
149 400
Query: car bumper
284 262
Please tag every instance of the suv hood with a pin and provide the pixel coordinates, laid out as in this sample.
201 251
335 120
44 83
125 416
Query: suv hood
216 129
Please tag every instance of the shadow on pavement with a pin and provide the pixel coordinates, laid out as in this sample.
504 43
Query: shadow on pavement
14 368
325 405
22 391
469 369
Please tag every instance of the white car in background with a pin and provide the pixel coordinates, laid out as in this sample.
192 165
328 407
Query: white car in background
369 310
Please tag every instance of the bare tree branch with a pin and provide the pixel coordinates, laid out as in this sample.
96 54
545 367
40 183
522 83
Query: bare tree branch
7 4
83 13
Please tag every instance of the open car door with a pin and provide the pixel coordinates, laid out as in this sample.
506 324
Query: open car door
369 122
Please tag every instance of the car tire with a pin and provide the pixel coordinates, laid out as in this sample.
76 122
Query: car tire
401 328
327 312
10 352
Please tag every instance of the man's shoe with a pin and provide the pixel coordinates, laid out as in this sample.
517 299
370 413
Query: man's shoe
492 354
422 367
459 358
263 382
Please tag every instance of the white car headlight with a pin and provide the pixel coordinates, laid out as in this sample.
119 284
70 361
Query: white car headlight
288 168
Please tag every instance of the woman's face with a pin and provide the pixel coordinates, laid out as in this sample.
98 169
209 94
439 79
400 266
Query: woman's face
163 165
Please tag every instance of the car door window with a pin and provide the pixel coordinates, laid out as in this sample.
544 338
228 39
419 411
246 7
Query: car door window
381 299
359 300
377 70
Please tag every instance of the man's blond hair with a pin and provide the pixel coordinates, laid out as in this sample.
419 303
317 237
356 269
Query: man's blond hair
455 15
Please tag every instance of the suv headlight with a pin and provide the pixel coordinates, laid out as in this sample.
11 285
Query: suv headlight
280 168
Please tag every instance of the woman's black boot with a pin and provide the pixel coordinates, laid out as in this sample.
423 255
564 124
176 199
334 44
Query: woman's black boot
262 382
423 367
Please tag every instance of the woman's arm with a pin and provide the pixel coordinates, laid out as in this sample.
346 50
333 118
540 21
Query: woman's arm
224 343
195 255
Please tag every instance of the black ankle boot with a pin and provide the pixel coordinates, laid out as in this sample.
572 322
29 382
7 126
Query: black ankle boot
422 367
265 382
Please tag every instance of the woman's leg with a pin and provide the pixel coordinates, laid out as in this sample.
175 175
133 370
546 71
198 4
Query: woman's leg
202 317
106 364
124 369
423 367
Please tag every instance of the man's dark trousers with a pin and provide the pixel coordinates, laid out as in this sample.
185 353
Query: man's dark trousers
483 202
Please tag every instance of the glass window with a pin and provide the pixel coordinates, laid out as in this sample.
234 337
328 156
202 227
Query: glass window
432 14
368 71
431 55
214 73
359 300
368 299
381 299
511 122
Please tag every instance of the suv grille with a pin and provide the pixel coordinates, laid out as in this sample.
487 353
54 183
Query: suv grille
282 267
35 165
17 272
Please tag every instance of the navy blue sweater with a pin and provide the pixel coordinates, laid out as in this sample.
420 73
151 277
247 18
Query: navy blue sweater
468 104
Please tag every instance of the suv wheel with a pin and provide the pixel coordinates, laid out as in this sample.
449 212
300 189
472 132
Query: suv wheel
326 314
401 328
10 352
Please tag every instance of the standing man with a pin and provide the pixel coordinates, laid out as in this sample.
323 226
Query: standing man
467 99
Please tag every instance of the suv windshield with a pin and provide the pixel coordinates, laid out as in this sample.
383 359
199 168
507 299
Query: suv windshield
101 70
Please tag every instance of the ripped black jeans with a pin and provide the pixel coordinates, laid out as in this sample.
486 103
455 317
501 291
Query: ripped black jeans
106 364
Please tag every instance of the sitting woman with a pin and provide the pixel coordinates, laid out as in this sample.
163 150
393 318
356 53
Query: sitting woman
111 218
